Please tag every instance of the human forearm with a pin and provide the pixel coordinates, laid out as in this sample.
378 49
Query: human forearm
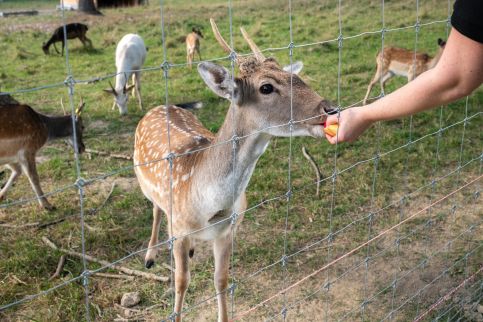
458 73
429 90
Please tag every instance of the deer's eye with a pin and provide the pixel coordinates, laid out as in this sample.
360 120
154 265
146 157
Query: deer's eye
266 89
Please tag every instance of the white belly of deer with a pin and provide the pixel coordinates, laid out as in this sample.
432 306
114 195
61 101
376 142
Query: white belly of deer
399 69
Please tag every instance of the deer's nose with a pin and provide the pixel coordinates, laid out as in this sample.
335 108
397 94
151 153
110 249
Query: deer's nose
327 107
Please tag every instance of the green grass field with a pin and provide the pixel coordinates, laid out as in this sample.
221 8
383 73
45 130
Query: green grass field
123 224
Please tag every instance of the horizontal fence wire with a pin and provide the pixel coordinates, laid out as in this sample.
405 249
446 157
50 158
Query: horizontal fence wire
168 65
70 82
171 156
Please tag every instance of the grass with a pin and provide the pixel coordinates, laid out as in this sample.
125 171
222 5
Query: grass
123 224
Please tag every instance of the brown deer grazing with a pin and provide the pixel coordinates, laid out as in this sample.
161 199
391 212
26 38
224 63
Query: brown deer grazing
74 30
394 61
193 45
208 186
23 132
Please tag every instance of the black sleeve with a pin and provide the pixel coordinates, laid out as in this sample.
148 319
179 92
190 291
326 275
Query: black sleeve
467 18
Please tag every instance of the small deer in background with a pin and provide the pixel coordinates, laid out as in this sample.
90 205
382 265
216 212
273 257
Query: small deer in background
23 132
208 186
130 57
193 45
74 30
393 61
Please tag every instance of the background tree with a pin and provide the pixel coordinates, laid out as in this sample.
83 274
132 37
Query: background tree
88 6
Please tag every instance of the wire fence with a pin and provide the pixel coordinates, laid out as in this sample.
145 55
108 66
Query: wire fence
380 242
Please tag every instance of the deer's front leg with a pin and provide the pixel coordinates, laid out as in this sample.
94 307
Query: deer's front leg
15 168
222 252
181 249
137 88
152 251
30 169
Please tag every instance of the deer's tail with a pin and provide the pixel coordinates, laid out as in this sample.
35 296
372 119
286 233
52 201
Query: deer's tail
191 105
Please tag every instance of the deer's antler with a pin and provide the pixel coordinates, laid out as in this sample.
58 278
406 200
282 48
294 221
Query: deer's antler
257 52
220 39
78 110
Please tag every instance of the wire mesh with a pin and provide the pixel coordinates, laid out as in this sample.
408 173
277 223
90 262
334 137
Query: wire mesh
331 258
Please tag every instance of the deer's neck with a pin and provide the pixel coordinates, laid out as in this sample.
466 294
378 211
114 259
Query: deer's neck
58 126
122 75
225 169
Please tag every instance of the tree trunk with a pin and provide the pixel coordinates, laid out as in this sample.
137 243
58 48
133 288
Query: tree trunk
87 6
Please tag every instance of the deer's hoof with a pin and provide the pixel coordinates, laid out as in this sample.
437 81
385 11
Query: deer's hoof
49 207
149 263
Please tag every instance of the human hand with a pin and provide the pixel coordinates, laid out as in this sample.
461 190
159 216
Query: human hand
352 123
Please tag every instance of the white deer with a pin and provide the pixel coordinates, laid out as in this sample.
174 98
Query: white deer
130 57
394 61
208 186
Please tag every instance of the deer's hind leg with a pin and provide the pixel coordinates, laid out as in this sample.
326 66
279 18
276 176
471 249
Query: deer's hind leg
375 79
15 168
153 241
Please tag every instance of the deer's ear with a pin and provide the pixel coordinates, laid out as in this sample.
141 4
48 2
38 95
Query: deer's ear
217 78
294 68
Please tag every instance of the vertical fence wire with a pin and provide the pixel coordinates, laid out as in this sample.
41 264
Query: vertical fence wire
80 182
372 208
235 140
171 244
284 260
70 83
340 40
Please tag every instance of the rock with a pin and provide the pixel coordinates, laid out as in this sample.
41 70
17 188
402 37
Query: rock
130 299
480 308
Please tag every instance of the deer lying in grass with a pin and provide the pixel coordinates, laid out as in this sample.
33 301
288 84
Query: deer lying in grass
394 61
130 56
209 185
23 132
74 30
193 45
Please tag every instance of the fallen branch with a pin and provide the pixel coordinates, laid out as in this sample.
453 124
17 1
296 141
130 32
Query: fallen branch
120 268
33 224
118 276
18 280
60 267
315 167
40 225
110 155
168 267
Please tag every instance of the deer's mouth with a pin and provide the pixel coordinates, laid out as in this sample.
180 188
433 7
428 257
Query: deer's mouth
315 127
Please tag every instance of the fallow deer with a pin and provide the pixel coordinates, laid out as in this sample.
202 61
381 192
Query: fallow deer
394 61
130 56
208 186
193 45
74 30
23 132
